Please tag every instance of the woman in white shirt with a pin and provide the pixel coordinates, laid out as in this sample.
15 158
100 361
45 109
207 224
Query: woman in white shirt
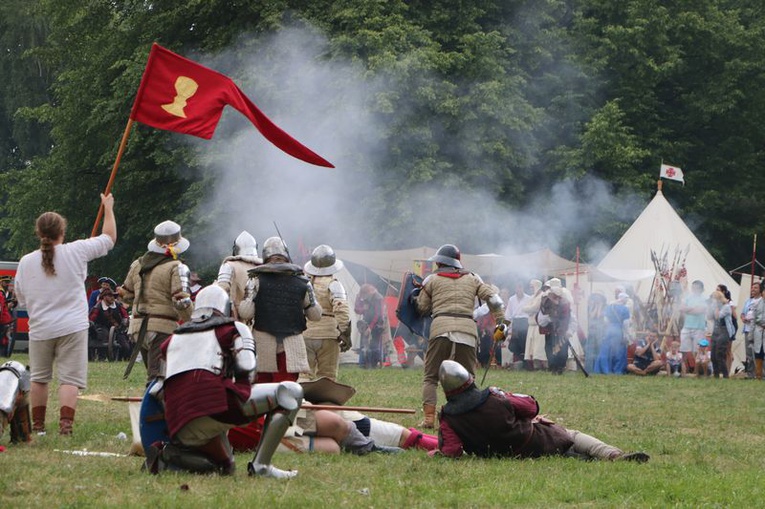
50 284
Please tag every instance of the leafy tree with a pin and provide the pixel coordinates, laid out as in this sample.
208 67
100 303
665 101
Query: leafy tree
496 101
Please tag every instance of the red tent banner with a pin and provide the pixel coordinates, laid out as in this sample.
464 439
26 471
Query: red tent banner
177 94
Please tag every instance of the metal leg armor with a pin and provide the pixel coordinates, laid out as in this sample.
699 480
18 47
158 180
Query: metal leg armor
281 402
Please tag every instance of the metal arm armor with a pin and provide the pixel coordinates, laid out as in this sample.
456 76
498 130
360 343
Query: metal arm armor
337 291
311 295
225 273
184 273
245 357
495 303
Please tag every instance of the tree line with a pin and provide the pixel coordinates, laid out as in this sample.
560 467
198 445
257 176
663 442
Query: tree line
507 97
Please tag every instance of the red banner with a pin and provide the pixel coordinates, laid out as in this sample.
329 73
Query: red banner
177 94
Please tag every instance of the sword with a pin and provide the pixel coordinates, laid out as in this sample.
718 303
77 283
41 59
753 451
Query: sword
577 359
286 249
137 347
500 334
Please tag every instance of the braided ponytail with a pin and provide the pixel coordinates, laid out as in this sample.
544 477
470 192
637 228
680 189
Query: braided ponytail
50 227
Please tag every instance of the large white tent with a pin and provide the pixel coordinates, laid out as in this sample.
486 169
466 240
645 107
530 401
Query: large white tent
661 229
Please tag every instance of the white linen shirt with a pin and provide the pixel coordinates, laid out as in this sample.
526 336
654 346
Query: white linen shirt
57 305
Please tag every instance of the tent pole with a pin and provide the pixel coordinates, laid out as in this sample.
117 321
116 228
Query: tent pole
754 254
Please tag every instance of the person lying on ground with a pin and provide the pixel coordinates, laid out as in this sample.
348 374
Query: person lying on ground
492 423
330 432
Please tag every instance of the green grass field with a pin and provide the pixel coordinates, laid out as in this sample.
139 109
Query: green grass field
705 438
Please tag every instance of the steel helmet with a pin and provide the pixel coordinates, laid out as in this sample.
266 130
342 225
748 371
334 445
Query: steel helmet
448 254
245 245
274 246
323 262
209 299
167 235
454 378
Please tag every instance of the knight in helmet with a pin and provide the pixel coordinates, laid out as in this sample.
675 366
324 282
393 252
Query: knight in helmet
157 286
15 383
232 275
208 390
325 339
493 423
279 299
448 295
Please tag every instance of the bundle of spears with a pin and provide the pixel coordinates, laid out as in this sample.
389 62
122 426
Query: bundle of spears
663 305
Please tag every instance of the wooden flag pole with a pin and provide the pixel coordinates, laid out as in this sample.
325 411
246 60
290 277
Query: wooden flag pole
108 189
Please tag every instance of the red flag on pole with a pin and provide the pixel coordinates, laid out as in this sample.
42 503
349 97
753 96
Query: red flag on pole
177 94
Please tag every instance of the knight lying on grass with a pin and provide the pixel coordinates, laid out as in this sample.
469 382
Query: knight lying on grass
492 423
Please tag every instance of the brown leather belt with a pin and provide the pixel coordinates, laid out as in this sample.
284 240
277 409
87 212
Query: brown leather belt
454 315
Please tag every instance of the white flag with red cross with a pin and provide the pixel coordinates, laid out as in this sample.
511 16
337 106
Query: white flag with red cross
672 173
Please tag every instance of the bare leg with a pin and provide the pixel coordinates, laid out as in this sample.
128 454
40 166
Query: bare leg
39 394
67 396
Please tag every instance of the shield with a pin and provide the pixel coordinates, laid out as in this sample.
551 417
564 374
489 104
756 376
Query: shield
406 311
324 390
152 420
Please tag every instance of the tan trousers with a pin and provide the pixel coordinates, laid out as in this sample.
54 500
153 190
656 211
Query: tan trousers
591 446
439 350
323 358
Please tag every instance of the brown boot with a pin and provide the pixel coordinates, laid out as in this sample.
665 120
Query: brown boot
429 420
38 419
66 421
758 369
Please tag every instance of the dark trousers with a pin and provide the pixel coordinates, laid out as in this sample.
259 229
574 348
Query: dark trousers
557 353
518 338
720 357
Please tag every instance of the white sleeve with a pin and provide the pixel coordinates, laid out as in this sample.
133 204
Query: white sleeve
94 247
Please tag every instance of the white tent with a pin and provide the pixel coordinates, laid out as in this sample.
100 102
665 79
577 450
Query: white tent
392 265
660 228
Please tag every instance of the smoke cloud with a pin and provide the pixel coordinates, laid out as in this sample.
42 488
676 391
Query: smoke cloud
325 104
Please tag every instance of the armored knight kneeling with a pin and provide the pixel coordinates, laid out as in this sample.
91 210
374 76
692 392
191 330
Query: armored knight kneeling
210 367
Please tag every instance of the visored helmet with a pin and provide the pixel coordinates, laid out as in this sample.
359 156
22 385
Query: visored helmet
448 254
323 262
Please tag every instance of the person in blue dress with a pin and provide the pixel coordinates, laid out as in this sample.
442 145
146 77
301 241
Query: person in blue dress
596 330
612 359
